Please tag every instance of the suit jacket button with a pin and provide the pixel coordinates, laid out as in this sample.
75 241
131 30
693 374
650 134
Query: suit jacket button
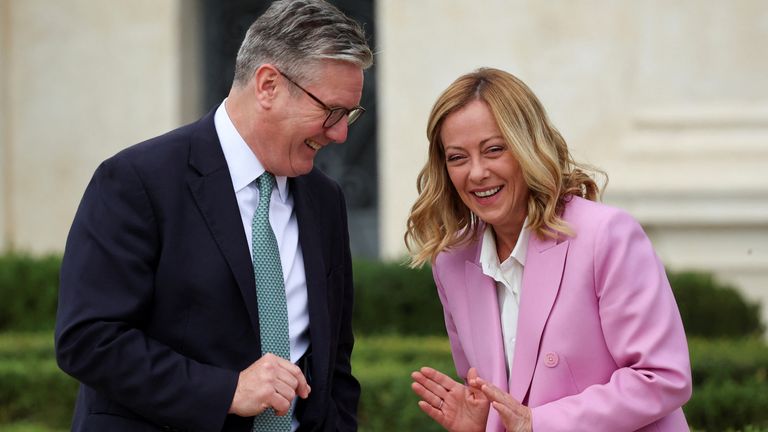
551 359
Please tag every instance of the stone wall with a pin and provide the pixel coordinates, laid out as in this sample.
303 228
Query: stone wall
83 79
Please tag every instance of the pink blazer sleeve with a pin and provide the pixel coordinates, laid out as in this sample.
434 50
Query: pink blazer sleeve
643 333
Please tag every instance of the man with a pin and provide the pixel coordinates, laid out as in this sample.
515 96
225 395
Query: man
165 311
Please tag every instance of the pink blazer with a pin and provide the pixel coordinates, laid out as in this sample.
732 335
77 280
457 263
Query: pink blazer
600 344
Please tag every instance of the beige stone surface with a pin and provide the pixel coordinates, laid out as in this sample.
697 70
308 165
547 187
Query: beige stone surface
84 80
4 132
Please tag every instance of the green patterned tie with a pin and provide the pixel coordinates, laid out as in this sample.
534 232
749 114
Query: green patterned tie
270 291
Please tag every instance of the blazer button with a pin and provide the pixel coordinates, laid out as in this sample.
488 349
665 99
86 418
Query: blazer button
551 359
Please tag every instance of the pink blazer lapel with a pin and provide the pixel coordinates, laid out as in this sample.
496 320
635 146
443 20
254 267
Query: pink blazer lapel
487 343
542 274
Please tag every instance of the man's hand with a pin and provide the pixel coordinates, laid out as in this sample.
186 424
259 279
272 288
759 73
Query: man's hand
271 381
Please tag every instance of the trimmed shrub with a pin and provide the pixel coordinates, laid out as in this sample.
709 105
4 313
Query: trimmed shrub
416 351
30 427
730 385
383 365
33 390
387 402
29 288
713 309
32 387
392 298
36 390
719 406
741 360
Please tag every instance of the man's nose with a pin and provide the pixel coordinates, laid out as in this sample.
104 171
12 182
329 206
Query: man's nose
338 132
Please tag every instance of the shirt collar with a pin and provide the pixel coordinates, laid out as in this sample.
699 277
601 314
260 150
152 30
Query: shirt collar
244 167
489 259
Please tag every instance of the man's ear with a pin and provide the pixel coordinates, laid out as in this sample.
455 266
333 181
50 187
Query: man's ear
265 86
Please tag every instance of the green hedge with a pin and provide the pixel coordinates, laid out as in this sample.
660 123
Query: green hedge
730 383
390 299
28 288
713 309
384 365
32 387
728 360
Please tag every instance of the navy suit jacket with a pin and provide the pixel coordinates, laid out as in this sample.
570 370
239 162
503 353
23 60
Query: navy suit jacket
157 306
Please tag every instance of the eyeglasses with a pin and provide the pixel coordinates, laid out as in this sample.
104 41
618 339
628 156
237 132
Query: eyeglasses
334 113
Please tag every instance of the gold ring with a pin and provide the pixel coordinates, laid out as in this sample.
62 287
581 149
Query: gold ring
440 407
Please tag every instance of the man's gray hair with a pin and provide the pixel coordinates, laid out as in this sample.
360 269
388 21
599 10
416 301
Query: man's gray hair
292 34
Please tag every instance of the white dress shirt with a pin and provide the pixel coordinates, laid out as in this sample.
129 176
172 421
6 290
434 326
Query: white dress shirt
245 168
509 280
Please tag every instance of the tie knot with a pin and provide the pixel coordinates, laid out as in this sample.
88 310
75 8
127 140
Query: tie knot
266 183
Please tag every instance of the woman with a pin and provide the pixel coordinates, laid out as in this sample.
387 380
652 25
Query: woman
559 313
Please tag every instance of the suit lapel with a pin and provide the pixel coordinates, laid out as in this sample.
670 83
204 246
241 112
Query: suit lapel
541 282
314 268
213 193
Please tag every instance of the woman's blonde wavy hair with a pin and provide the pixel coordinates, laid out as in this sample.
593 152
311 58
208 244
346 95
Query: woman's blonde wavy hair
439 220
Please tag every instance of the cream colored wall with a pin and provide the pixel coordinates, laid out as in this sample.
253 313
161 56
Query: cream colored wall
671 98
85 78
4 133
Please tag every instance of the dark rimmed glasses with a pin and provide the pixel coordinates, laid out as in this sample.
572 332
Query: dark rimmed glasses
334 113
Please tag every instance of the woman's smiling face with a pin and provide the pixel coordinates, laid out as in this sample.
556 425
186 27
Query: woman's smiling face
482 168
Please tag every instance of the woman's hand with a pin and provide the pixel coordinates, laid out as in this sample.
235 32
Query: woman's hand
453 405
515 416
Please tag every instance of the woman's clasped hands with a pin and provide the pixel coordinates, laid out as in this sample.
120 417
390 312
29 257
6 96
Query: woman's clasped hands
464 408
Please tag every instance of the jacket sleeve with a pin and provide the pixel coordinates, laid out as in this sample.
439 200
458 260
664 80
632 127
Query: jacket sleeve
644 334
106 292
